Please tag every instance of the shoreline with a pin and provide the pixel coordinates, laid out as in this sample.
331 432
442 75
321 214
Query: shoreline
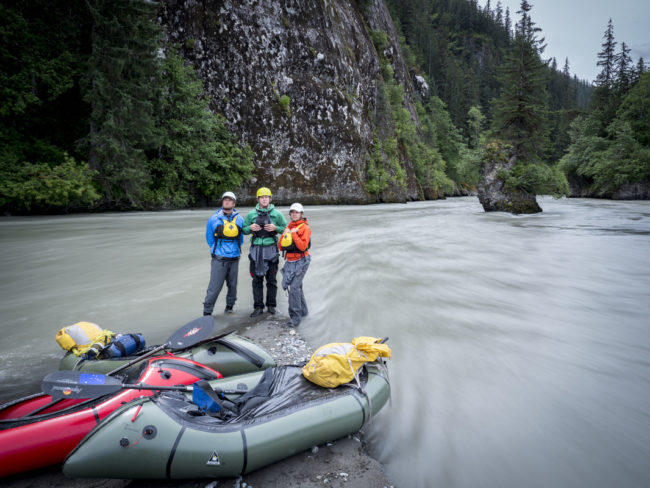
342 463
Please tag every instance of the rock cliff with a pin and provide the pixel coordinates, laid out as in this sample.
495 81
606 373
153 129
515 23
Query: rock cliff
297 80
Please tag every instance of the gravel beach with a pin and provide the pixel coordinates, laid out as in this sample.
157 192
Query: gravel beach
342 463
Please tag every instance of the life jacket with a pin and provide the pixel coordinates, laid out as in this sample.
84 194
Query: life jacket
287 244
262 219
337 363
123 345
226 229
83 338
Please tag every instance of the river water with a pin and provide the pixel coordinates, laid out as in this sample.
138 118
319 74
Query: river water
521 344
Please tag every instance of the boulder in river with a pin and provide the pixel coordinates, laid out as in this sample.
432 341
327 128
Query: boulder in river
493 192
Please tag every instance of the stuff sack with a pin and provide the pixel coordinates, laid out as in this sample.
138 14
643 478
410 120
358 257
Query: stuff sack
123 345
337 363
81 337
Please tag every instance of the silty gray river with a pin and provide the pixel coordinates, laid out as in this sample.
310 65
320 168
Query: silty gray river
521 344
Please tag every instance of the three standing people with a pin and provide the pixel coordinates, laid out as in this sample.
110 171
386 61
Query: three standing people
224 236
294 243
264 223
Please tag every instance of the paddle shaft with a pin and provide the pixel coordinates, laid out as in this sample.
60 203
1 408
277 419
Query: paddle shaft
138 359
144 386
189 335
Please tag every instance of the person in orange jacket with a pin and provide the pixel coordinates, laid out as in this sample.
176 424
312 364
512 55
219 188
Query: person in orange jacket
294 243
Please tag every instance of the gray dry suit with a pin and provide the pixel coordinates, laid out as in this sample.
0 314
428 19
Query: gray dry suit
293 273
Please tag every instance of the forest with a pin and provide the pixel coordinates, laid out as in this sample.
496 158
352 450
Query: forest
99 111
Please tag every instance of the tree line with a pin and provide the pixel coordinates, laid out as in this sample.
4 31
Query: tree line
610 144
486 66
97 111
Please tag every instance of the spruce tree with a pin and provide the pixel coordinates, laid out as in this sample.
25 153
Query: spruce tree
624 70
520 114
604 101
122 86
606 77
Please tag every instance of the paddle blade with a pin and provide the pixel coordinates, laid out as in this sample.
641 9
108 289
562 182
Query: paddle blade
192 333
75 384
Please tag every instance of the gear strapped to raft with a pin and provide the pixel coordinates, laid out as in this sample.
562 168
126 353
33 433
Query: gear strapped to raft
83 338
123 345
89 341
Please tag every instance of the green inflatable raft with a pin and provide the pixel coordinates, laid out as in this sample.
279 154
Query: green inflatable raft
168 436
230 355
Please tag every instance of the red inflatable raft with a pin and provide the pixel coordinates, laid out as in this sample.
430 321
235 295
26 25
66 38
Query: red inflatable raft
37 431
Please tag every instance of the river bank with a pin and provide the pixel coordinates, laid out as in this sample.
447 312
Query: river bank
343 463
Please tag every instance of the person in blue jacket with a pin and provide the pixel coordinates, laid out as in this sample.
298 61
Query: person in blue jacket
224 236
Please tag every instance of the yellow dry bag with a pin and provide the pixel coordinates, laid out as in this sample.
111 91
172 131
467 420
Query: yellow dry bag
79 338
337 363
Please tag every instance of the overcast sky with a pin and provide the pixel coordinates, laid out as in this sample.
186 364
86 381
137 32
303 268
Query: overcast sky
574 29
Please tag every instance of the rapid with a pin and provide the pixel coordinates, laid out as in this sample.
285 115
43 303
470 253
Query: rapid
520 344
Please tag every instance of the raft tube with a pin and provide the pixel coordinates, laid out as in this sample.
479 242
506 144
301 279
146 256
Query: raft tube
283 414
230 355
37 431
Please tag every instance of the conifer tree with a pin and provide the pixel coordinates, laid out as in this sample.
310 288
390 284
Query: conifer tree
637 71
603 102
507 23
520 114
122 88
605 78
624 74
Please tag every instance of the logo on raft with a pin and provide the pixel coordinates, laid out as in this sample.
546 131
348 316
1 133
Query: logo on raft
214 459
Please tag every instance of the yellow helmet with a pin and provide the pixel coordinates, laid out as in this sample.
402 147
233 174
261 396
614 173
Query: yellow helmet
263 192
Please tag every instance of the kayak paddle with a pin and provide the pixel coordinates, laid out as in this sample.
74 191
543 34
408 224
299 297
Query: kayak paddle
75 384
189 335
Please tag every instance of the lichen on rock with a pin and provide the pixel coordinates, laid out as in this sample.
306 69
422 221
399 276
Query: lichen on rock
296 80
493 192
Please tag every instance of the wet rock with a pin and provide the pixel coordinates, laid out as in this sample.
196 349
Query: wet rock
298 81
492 192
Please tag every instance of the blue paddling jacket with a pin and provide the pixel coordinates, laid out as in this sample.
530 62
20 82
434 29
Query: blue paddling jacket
225 248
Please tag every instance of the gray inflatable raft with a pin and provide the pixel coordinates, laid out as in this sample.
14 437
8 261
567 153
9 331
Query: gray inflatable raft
230 355
166 436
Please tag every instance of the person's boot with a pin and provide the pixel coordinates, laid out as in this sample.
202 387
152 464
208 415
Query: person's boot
206 313
271 310
228 309
257 312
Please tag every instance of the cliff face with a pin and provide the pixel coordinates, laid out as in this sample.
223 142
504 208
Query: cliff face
297 80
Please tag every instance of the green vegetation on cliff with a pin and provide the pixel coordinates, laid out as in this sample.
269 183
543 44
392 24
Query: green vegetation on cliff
97 112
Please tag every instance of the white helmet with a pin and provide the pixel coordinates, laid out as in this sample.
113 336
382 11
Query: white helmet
297 207
230 195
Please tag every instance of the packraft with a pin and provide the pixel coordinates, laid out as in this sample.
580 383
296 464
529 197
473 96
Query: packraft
83 338
337 363
166 436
